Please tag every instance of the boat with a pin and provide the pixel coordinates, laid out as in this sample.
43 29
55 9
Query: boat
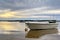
42 25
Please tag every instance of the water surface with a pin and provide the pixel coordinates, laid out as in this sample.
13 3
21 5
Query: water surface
12 31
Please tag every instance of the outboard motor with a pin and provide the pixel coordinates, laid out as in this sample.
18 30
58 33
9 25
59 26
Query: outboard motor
52 21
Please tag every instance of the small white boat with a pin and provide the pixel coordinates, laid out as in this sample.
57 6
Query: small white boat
41 25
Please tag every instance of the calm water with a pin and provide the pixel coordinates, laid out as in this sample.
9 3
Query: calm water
12 31
15 31
12 26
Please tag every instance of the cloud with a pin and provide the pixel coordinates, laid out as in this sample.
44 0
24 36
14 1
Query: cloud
11 4
29 13
40 17
16 9
11 14
41 10
54 4
26 4
33 11
7 13
51 11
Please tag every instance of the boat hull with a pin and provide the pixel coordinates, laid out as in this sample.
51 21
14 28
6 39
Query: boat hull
42 26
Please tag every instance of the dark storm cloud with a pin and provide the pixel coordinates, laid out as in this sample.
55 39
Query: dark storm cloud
11 4
26 4
54 4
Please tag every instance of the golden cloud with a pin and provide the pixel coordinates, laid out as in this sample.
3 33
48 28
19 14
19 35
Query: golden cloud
7 14
12 14
27 13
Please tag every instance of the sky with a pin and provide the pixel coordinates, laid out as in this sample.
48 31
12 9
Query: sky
29 9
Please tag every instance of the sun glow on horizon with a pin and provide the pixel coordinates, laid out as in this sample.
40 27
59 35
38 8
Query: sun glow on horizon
29 13
7 14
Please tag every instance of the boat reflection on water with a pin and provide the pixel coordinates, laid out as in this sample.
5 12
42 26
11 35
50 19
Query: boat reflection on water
39 33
